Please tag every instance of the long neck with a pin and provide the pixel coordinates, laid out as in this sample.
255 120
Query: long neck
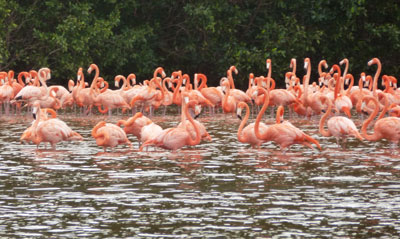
344 73
320 68
385 107
306 82
96 75
376 77
225 99
20 75
196 129
243 123
351 84
374 136
95 128
261 113
175 98
324 117
293 66
337 85
230 77
203 79
279 114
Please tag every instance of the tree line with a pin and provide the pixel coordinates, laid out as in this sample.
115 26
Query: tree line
197 36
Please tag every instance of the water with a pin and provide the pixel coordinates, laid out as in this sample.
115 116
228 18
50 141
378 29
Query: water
218 189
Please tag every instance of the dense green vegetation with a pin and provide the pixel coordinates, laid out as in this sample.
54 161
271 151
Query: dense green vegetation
207 36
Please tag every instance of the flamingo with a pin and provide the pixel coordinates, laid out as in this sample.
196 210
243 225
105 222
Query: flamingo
384 128
210 93
239 95
109 99
176 138
27 136
229 102
6 90
247 134
310 100
338 126
31 93
189 127
284 134
109 135
341 100
52 130
141 127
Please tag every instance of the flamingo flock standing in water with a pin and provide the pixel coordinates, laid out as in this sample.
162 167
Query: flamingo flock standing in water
327 98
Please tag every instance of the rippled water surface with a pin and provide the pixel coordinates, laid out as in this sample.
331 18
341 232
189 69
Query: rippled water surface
218 189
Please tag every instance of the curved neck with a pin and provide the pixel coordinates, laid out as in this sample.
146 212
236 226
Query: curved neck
261 113
324 117
337 84
131 77
293 66
175 98
240 136
230 77
350 76
96 75
225 99
377 73
374 136
385 107
203 79
323 62
95 128
20 75
306 81
279 114
196 129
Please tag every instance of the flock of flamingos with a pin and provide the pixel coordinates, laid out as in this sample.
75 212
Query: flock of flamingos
333 97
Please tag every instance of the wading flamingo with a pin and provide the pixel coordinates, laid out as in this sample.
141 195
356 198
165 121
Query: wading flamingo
385 128
284 134
109 135
176 138
51 130
338 126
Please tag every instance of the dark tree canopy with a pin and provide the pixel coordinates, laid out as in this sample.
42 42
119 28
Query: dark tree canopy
206 36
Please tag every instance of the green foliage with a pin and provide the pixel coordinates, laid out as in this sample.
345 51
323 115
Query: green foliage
205 36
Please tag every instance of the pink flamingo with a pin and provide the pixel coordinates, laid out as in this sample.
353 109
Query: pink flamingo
141 127
176 138
109 135
338 126
51 130
229 102
210 93
284 134
384 128
27 136
247 134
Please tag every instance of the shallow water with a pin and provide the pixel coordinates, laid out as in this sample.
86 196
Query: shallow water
218 189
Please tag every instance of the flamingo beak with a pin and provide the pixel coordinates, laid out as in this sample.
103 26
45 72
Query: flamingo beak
90 69
305 65
34 111
163 74
186 100
239 113
267 65
370 62
116 84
